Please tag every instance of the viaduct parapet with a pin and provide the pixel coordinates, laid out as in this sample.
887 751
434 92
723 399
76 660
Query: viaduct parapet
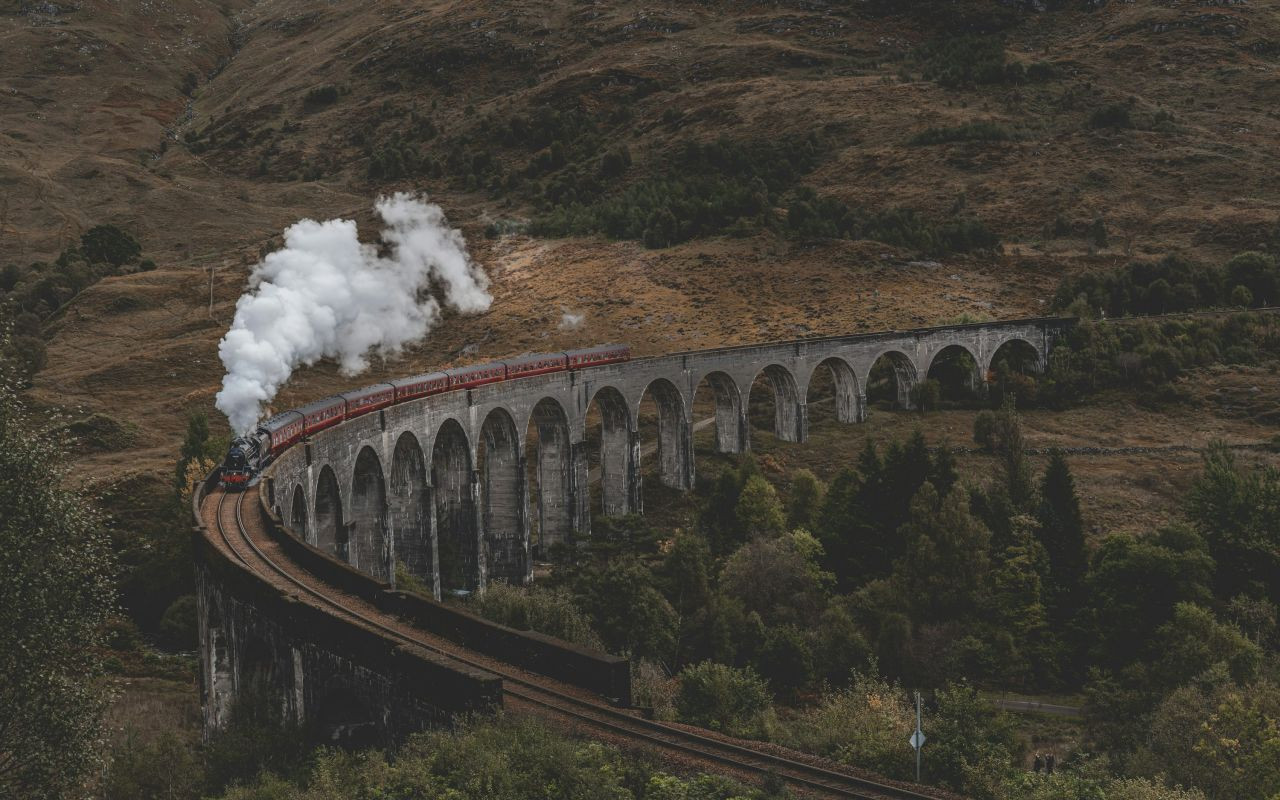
440 486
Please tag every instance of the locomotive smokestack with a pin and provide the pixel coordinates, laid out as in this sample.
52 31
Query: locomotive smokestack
326 295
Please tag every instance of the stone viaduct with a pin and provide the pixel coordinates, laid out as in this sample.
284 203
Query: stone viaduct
441 486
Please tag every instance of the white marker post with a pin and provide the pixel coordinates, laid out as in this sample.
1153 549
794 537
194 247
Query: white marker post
917 738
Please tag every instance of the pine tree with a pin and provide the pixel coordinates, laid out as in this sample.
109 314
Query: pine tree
1062 534
947 556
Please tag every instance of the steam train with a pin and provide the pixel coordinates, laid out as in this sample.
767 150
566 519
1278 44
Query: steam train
250 454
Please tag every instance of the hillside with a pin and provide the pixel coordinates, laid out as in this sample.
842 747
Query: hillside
204 128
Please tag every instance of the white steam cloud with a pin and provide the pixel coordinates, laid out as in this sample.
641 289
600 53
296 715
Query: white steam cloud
571 321
326 295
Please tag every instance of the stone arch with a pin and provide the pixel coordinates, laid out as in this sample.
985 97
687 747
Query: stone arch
616 462
1020 353
331 531
896 367
788 405
675 448
847 396
958 370
409 506
502 497
457 541
552 476
298 512
368 522
731 423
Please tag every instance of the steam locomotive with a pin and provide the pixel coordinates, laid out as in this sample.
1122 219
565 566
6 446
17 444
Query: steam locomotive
248 455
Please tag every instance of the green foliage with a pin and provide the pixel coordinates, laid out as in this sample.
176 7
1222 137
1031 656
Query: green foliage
628 612
1223 740
944 566
759 511
809 216
548 610
1235 508
983 131
108 244
865 507
723 698
865 725
1173 284
1061 531
56 594
973 747
778 579
984 430
806 496
1149 357
1193 641
1134 585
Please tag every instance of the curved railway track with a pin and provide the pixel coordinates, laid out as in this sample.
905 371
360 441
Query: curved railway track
542 696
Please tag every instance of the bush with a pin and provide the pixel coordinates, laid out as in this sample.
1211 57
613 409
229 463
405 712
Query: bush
970 132
1115 115
723 698
320 96
546 610
107 244
925 394
985 426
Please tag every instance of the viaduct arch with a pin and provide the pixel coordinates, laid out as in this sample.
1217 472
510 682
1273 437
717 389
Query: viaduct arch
467 487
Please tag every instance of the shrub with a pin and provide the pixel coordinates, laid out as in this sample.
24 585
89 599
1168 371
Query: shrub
723 698
110 245
1115 115
985 426
320 96
1241 297
546 610
971 132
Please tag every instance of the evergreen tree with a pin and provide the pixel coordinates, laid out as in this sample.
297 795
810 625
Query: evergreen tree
947 556
1013 456
1062 534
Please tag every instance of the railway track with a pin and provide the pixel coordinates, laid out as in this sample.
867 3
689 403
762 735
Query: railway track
542 697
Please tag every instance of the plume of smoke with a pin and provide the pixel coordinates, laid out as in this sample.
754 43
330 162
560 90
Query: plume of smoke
326 295
571 321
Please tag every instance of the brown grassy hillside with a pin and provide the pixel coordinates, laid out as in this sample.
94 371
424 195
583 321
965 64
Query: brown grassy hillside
189 124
